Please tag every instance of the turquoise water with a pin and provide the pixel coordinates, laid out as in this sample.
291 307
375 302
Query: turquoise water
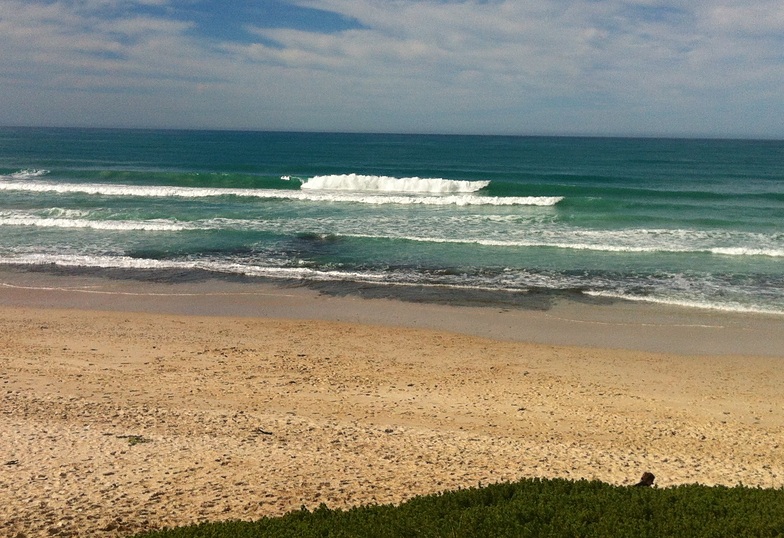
687 222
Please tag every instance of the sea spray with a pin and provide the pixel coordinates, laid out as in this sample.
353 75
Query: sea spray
363 183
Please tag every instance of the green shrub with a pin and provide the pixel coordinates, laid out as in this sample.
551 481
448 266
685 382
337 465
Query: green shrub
536 508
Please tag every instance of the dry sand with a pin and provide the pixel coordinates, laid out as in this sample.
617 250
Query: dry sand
125 407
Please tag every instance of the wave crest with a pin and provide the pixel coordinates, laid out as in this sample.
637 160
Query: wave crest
144 226
383 184
27 174
312 195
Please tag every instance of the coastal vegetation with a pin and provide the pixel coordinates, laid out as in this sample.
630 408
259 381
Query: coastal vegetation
531 507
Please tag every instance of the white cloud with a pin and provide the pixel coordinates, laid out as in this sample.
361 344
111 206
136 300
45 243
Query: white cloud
607 66
761 18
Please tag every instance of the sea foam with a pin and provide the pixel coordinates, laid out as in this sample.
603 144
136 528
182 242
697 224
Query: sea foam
308 195
28 174
113 225
704 304
364 183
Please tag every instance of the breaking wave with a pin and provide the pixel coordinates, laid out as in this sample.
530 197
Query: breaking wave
419 192
363 183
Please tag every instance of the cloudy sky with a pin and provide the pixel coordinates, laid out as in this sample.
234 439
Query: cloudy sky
603 67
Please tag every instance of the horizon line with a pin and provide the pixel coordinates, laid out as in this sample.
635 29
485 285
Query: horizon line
650 136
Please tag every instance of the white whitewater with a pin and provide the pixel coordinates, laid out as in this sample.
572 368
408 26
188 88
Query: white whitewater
387 191
363 183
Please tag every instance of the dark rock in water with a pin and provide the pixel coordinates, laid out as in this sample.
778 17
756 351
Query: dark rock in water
646 480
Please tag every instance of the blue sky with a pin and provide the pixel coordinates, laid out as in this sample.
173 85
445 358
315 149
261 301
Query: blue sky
593 67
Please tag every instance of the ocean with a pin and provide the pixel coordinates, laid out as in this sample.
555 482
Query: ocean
479 219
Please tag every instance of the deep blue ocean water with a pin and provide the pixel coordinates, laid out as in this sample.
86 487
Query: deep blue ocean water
688 222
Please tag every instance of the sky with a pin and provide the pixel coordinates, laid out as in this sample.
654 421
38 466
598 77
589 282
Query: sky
523 67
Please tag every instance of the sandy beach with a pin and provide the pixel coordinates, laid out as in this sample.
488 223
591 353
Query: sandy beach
129 406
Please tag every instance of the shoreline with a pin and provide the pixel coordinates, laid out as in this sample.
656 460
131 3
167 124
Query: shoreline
558 319
130 405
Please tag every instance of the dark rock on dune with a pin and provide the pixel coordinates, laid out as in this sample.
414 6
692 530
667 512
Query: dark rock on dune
646 480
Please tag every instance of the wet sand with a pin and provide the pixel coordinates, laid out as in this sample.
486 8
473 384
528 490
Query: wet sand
129 405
